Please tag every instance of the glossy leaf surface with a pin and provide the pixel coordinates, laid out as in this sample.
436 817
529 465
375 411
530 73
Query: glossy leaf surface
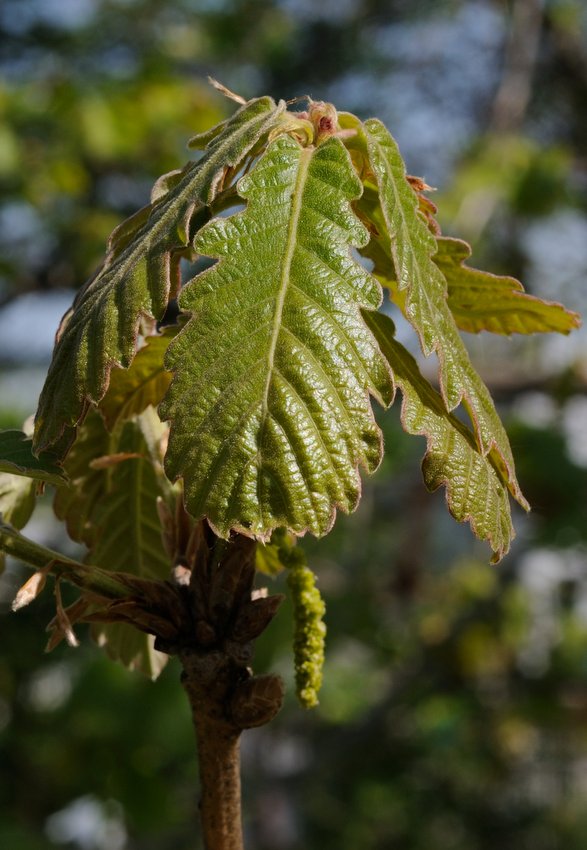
475 492
269 408
138 277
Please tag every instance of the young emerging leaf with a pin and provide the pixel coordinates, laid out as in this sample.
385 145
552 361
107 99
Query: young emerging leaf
269 407
138 277
127 531
270 400
412 248
75 503
17 498
480 301
112 508
474 489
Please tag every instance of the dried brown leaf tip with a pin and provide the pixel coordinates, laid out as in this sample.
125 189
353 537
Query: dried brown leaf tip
107 461
226 91
426 207
61 626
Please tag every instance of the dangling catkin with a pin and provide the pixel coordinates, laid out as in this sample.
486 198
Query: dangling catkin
309 627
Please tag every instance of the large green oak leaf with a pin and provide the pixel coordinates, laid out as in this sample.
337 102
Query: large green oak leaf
138 277
474 489
270 404
412 247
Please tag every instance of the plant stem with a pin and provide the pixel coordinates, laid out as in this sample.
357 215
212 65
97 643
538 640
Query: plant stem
220 803
225 699
224 696
209 679
84 576
211 623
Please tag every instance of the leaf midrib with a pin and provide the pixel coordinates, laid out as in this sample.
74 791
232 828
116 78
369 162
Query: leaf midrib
297 196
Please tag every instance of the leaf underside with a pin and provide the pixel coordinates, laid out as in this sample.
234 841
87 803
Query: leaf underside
17 458
138 277
269 407
112 509
412 248
474 489
480 301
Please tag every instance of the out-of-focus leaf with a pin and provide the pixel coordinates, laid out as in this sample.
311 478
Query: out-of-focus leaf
17 498
112 508
127 531
17 458
480 301
17 501
412 247
145 382
137 279
474 490
75 503
269 407
268 559
134 649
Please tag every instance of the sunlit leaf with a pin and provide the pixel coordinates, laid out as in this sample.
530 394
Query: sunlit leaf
424 289
17 458
137 279
269 408
474 490
480 301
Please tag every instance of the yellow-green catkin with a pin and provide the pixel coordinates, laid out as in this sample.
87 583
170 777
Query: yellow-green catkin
309 627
